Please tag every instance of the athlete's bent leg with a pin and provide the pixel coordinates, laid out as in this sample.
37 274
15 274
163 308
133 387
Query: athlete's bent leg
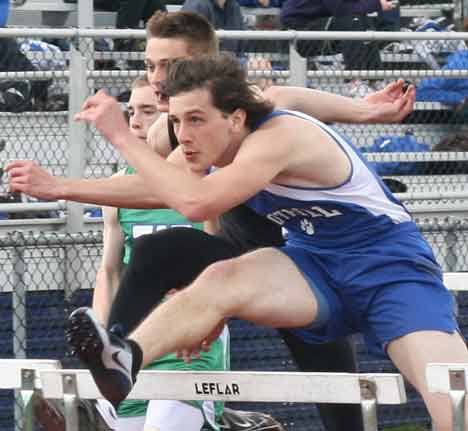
411 353
264 287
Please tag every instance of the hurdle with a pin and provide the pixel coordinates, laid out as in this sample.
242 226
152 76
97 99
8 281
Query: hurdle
450 379
456 281
368 390
23 375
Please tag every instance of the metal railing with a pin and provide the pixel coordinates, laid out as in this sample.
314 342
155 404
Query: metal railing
77 151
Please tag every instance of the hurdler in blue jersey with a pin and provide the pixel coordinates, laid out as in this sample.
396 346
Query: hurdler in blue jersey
353 261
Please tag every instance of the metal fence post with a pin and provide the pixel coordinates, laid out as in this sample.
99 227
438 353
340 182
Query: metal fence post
457 398
451 260
297 67
18 299
28 378
460 12
369 404
85 14
70 400
86 20
77 131
18 302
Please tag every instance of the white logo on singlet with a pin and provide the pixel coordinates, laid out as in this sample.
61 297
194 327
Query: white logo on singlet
284 215
307 226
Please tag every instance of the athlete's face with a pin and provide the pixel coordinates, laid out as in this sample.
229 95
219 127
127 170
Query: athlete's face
142 110
159 52
207 136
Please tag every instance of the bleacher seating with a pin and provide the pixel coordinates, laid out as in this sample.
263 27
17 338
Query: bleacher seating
409 9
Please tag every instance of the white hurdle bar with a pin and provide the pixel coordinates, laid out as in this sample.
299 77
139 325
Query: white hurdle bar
22 375
450 379
456 281
365 389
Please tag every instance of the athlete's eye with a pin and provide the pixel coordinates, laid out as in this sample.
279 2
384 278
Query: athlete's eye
196 120
149 67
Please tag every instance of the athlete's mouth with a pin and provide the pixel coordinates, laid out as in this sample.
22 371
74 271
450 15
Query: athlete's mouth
189 154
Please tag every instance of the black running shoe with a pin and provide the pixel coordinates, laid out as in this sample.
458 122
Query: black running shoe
108 357
239 420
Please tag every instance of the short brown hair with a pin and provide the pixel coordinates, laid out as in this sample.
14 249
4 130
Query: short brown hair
141 81
191 27
226 80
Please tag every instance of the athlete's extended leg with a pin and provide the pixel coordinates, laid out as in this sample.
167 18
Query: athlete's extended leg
411 353
264 287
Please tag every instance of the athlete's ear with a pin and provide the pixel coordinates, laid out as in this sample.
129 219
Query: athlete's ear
238 118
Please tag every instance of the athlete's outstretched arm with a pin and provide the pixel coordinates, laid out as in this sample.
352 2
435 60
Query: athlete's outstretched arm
390 105
126 191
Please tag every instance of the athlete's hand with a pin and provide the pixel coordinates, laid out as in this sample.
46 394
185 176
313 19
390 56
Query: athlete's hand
188 354
105 113
195 351
393 103
28 177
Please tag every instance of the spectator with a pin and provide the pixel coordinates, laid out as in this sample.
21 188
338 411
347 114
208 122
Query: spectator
223 15
16 95
336 15
260 3
129 15
262 21
389 20
227 15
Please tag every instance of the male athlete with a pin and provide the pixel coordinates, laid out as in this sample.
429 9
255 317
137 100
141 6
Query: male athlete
354 261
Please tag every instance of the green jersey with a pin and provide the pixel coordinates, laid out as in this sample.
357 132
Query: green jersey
216 359
136 222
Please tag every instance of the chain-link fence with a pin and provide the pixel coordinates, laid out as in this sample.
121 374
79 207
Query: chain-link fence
426 155
46 275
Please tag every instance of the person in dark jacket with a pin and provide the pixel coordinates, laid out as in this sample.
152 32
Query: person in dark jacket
129 15
223 15
335 15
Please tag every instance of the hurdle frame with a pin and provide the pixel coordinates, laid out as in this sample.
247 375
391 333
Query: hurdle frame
22 375
366 389
450 379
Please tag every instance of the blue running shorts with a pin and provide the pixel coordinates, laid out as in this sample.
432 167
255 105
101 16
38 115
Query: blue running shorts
384 291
